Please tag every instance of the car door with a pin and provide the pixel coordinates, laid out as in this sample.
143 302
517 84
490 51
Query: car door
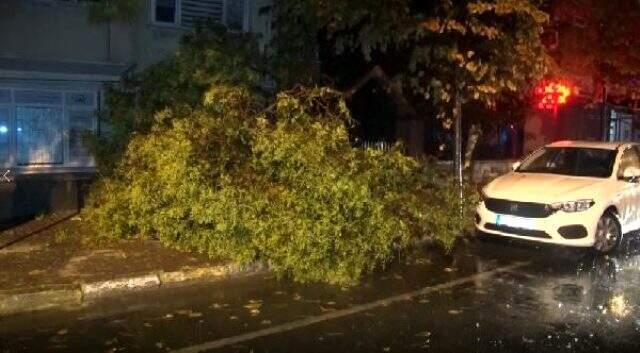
629 191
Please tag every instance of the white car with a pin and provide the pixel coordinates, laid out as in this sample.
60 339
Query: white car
574 193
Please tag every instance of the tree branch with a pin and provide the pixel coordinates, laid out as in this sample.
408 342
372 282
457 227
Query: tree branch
405 109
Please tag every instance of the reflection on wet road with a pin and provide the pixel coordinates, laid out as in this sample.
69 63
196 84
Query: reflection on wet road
483 297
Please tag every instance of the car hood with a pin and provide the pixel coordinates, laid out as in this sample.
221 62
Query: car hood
543 188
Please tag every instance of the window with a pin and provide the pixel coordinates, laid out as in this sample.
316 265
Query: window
191 13
574 161
5 136
629 158
39 135
165 11
46 128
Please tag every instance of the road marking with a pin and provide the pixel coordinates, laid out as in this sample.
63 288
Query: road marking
223 342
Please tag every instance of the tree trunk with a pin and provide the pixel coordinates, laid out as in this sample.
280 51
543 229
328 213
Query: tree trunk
409 127
457 142
405 109
475 131
109 41
457 157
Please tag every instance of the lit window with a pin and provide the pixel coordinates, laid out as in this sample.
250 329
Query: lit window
4 136
41 141
165 11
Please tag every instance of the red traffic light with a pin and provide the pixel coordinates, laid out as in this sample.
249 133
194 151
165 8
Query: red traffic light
552 93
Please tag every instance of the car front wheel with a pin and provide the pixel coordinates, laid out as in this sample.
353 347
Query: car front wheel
608 234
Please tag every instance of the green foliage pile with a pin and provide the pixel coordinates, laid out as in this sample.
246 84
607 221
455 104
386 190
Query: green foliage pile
284 186
207 163
210 56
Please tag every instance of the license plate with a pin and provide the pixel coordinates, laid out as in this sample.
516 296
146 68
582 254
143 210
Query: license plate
515 222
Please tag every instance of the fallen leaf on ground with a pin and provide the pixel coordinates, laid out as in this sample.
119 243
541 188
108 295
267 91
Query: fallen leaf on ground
324 310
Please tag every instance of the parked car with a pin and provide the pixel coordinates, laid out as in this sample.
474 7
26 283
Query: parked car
574 193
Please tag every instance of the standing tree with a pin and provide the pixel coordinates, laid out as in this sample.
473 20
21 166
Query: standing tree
597 39
451 52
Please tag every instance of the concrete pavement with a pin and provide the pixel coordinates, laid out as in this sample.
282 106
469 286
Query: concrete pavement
46 263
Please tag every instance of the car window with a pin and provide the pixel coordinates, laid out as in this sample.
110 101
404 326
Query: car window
575 161
630 158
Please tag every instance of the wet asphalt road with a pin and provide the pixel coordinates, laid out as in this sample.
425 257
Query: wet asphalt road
484 297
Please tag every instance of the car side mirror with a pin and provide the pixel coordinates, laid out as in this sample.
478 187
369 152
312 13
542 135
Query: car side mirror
631 174
516 165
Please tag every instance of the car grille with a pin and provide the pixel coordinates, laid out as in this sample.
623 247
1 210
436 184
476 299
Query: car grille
518 231
516 208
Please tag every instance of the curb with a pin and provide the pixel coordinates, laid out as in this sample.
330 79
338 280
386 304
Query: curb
76 295
43 298
91 290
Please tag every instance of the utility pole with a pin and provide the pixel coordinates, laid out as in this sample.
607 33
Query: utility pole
603 114
457 158
457 155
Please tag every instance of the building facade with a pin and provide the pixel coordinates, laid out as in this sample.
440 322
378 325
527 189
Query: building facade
54 63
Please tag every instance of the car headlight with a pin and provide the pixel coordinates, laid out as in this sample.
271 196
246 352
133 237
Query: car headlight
573 206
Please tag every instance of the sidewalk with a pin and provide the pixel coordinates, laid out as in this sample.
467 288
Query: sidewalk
45 264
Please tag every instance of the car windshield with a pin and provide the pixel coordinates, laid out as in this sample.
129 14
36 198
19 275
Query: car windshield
574 161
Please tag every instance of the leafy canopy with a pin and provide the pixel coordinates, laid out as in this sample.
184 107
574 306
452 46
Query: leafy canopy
480 49
598 39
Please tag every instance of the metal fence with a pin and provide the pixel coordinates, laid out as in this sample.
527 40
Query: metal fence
377 145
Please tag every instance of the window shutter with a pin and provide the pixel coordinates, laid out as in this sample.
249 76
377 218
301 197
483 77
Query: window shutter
198 11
